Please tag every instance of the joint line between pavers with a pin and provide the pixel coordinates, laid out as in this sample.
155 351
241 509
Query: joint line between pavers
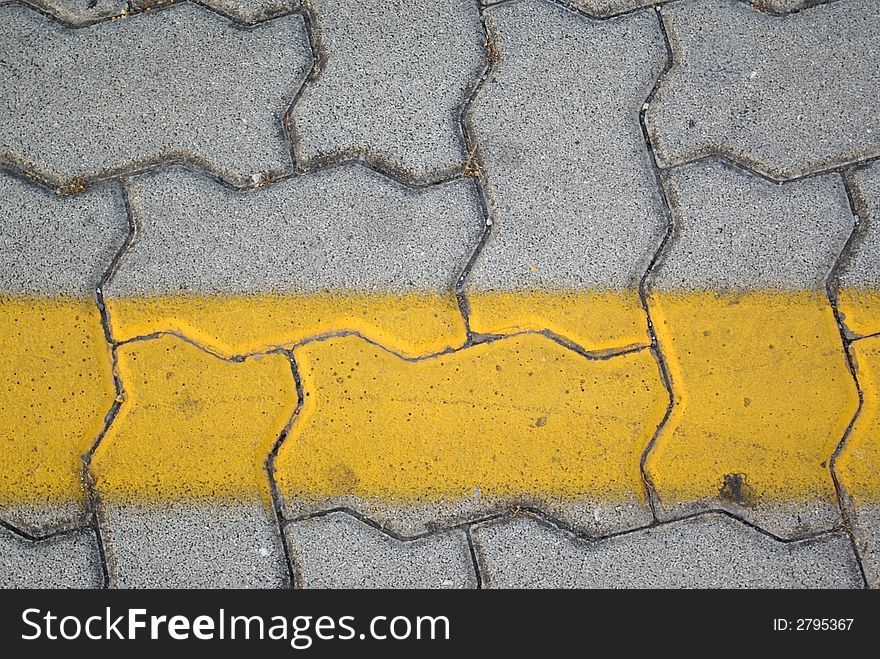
275 492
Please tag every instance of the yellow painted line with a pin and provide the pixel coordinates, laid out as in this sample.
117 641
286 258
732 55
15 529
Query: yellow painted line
56 386
513 417
762 390
193 426
411 324
858 465
761 386
594 320
860 309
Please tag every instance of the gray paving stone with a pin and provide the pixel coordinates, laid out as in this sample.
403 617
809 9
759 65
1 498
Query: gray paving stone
70 560
343 228
712 551
575 199
193 545
76 12
787 95
735 230
605 8
860 267
115 95
55 245
393 84
340 551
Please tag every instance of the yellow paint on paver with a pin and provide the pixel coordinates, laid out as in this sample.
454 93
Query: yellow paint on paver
762 393
413 324
594 320
57 387
858 466
192 426
517 416
860 308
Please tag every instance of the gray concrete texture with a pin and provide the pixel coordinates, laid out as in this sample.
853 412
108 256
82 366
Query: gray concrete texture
393 84
866 529
76 12
115 95
244 11
574 196
55 245
787 95
735 230
711 551
861 265
340 551
605 8
192 545
343 228
67 560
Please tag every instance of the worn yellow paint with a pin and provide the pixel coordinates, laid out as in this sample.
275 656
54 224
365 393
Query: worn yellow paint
56 387
761 390
860 309
192 426
412 324
517 416
594 320
858 466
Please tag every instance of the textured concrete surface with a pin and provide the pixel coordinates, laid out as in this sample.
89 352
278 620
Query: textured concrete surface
787 96
573 197
70 560
519 421
858 465
223 109
341 250
762 389
53 252
341 551
393 81
440 264
712 551
858 281
52 245
190 544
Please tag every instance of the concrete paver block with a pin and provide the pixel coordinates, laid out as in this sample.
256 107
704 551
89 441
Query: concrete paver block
64 117
345 249
69 560
762 390
710 551
55 365
417 445
576 210
340 551
786 95
393 84
186 456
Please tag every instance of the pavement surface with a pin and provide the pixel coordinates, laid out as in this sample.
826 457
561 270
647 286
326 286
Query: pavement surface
440 294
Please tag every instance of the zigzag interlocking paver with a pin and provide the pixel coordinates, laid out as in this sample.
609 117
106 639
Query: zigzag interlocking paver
69 560
577 215
392 84
789 95
181 472
518 421
55 366
178 83
858 295
340 551
762 390
858 466
711 551
344 249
